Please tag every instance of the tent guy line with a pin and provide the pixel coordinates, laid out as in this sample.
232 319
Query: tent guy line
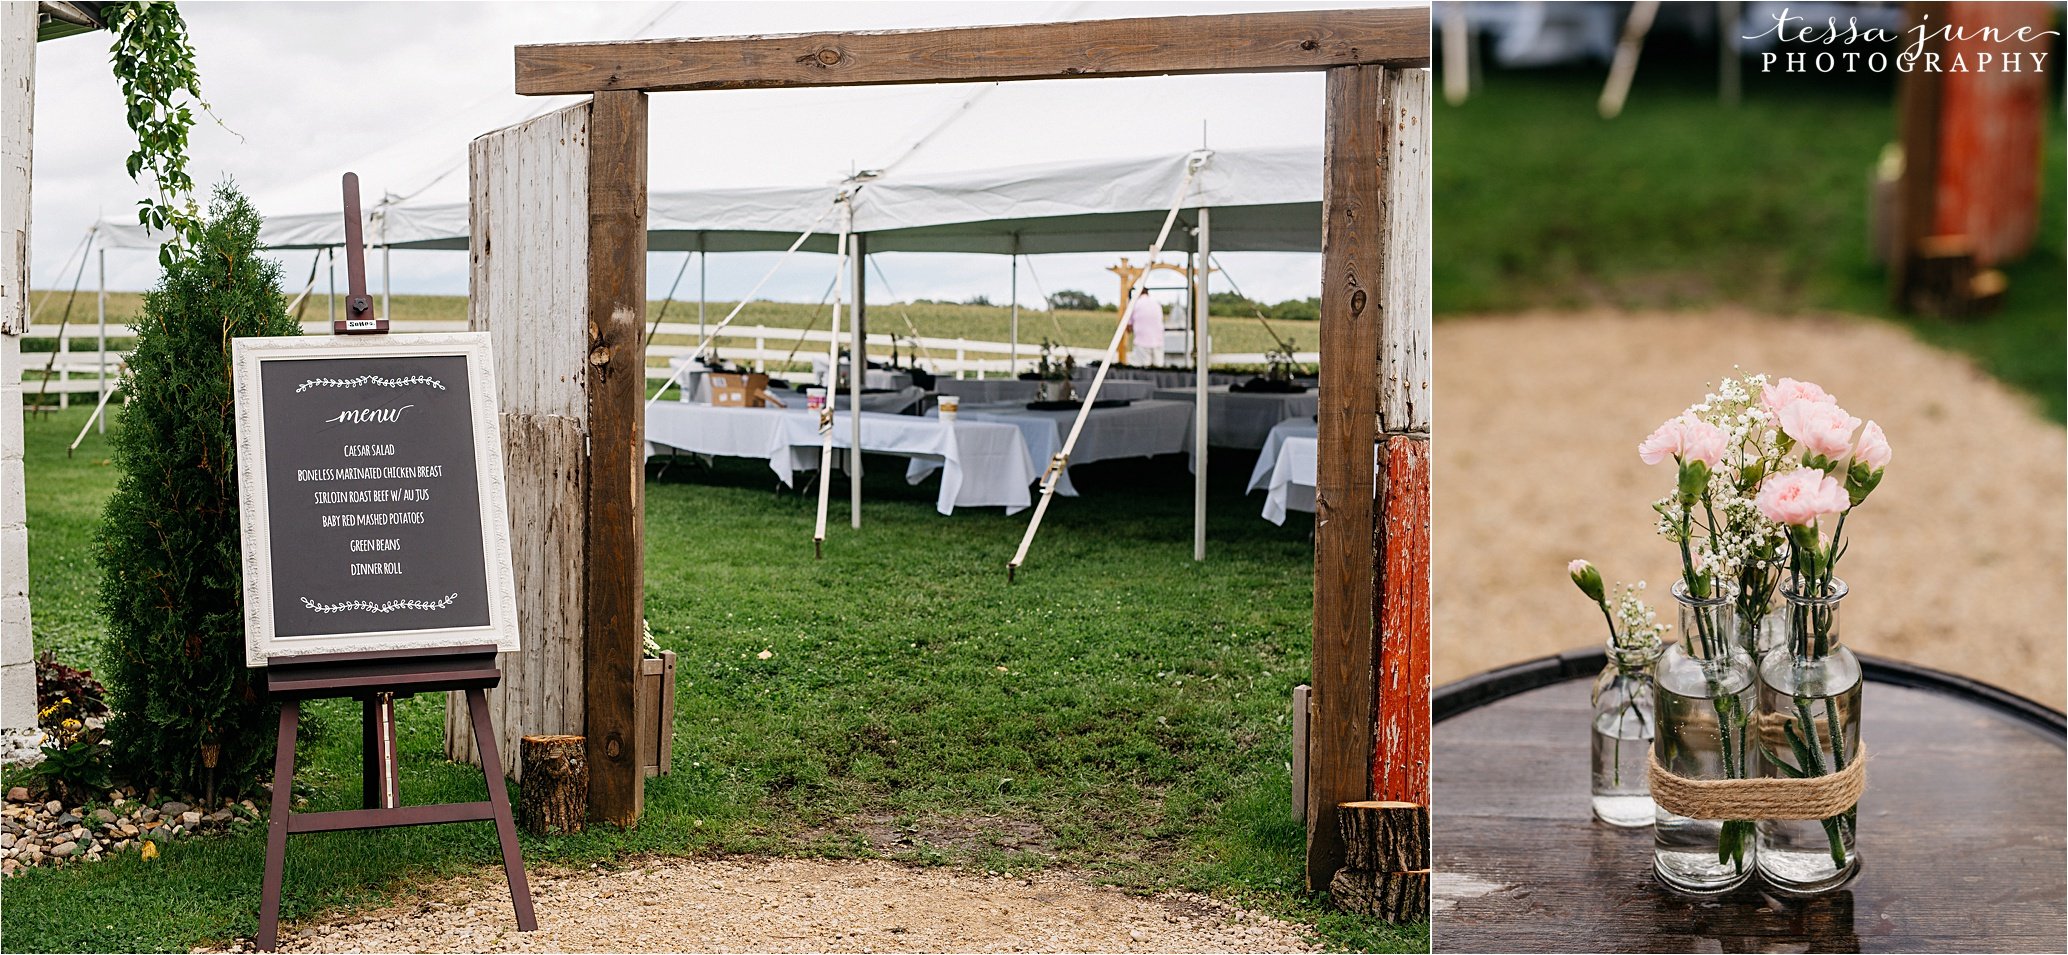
1197 161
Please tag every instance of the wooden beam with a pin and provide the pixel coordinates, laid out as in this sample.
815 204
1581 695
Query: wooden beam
1400 720
1345 530
1404 255
1400 714
1148 46
614 551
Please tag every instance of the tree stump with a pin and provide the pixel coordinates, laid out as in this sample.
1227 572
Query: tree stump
554 792
1384 836
1394 896
1385 860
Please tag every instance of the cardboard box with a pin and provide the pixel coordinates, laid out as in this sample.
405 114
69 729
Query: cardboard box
735 390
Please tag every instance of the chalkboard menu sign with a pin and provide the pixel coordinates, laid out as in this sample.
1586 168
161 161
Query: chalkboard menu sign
371 490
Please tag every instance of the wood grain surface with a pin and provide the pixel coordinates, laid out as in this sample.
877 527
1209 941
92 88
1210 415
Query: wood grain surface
1143 46
528 285
1346 531
1961 841
1400 723
614 555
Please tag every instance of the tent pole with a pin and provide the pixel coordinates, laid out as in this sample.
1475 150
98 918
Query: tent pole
857 371
702 258
1013 360
103 341
832 382
1201 359
386 315
330 301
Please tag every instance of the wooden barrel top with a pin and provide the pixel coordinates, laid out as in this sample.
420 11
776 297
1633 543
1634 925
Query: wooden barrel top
1961 830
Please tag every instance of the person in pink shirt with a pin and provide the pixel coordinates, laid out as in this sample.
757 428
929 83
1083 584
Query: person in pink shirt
1146 318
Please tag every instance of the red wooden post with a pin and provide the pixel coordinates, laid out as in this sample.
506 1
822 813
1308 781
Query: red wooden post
1400 722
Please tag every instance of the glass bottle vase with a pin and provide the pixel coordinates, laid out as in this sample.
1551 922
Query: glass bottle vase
1809 699
1706 689
1625 719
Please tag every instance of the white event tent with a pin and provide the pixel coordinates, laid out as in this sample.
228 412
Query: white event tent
1261 200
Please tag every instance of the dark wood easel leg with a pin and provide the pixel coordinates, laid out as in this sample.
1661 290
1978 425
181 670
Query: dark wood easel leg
499 797
276 828
369 754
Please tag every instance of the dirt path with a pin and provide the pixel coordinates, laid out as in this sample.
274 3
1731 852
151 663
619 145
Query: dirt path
791 905
1957 562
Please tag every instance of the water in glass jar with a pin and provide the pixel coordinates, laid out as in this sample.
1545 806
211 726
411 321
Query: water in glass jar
1622 747
1808 856
1703 713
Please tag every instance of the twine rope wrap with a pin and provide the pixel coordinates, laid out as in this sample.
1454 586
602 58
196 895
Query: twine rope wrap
1818 797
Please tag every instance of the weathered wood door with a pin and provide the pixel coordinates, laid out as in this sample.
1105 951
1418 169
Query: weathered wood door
558 279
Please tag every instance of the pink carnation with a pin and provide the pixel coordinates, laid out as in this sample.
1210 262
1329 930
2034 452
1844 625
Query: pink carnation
1686 438
1799 497
1788 391
1872 448
1821 428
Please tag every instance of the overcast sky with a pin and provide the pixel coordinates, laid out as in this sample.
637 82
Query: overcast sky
395 92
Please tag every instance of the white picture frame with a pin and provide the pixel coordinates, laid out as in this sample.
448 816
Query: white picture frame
263 640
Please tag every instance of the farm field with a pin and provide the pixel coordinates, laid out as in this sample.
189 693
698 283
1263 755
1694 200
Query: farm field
1119 715
1086 331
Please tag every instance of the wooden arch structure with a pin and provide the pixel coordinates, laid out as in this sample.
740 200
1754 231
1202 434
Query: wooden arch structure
1131 275
558 279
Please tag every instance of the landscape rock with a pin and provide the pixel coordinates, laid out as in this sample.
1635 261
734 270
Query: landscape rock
18 794
46 833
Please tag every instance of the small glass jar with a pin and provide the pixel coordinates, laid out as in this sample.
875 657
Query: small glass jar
1810 726
1706 690
1625 717
1769 633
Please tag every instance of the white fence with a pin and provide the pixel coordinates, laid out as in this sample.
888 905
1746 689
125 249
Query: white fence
78 371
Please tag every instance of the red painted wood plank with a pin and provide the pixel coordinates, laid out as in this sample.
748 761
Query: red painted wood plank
1400 721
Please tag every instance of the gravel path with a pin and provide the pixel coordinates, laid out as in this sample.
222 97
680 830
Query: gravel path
792 905
1957 561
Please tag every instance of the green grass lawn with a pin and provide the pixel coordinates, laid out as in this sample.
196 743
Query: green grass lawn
1121 710
1682 203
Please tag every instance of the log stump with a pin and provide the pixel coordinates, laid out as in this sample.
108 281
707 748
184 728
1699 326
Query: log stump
1384 836
554 791
1385 860
1397 897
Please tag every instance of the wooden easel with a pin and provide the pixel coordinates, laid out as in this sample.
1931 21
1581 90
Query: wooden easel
377 679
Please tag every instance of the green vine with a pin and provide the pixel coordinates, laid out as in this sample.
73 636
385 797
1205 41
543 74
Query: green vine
154 62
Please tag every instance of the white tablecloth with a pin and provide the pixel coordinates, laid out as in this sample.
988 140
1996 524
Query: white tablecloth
1237 419
885 402
1140 430
871 377
994 390
982 464
1165 377
1285 472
